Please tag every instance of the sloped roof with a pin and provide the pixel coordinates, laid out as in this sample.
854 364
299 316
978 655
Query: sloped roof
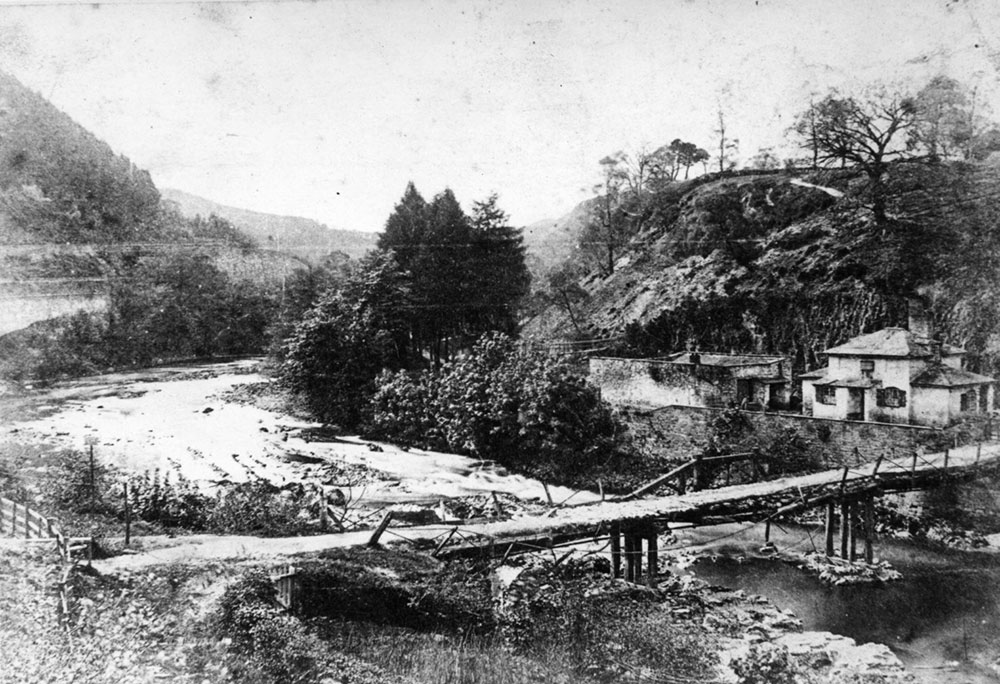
940 375
857 382
725 360
817 374
897 342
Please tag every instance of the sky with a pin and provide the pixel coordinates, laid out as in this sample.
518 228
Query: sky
326 109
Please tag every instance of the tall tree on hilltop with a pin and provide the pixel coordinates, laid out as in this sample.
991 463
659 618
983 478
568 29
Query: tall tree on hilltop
607 231
943 121
728 146
867 133
687 154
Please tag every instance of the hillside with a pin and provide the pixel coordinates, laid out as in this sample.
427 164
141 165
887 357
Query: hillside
551 241
301 237
60 183
771 263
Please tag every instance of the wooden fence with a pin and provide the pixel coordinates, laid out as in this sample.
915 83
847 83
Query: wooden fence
288 585
17 520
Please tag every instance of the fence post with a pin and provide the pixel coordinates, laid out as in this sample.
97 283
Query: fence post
128 515
373 541
27 527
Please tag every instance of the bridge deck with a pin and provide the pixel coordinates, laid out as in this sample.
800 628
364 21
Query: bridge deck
758 501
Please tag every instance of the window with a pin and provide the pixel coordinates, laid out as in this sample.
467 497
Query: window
826 395
968 400
867 366
890 397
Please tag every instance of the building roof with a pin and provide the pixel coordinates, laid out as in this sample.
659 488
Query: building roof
817 374
897 342
940 375
724 360
856 382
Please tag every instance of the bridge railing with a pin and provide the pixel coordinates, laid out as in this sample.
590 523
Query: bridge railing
18 520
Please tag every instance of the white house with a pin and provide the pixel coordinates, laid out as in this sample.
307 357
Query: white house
895 376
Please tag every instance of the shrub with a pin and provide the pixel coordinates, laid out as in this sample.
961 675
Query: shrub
504 402
257 508
763 664
271 645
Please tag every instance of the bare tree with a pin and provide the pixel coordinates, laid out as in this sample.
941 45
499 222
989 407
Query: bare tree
728 147
866 133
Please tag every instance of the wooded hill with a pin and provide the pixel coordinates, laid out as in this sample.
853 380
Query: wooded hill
768 261
301 237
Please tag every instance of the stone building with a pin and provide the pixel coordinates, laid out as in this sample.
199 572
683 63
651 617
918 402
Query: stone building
896 375
694 379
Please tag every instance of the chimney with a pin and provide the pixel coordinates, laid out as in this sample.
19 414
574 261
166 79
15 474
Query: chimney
919 325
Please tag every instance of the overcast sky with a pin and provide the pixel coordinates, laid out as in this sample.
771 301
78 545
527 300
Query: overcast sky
326 109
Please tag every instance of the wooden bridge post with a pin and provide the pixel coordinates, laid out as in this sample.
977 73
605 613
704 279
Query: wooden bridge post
637 552
616 551
828 531
696 473
845 527
652 558
854 531
629 557
869 529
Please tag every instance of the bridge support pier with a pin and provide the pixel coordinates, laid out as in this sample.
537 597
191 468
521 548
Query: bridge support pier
828 531
845 528
652 558
869 529
627 543
616 551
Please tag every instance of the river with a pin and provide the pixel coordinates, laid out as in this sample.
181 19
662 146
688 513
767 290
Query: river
942 619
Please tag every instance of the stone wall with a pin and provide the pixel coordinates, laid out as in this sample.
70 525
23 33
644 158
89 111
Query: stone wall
685 429
652 382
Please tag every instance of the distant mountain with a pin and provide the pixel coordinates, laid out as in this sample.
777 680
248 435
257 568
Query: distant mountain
59 183
302 237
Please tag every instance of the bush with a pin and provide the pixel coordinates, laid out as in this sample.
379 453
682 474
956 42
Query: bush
271 645
527 410
257 508
763 664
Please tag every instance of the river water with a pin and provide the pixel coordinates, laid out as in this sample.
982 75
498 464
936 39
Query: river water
942 619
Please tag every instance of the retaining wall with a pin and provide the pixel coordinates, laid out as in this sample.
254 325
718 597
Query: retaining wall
838 442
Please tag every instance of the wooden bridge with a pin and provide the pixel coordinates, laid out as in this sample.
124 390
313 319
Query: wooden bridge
630 523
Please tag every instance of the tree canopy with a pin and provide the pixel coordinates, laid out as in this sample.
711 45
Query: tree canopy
466 275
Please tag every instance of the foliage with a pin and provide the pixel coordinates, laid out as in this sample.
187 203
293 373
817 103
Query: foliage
271 645
257 508
157 500
465 275
347 339
179 306
300 292
75 484
503 401
764 663
863 132
606 630
219 229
